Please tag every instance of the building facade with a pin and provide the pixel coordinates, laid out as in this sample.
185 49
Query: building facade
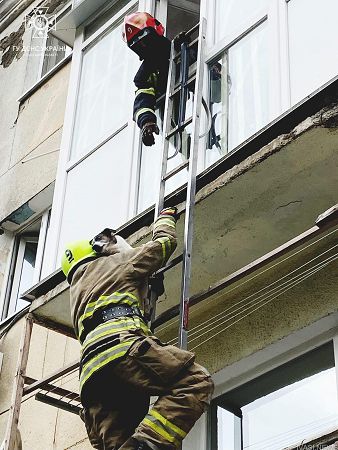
264 300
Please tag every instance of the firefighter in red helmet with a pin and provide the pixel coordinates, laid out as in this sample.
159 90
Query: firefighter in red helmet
145 36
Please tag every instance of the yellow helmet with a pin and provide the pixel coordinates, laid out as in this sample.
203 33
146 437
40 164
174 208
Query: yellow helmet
75 254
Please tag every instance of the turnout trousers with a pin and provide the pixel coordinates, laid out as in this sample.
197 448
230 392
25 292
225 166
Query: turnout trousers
116 408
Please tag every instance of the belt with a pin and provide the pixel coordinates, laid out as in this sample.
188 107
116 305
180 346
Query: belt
113 312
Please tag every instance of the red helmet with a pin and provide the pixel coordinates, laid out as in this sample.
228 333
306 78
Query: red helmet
136 22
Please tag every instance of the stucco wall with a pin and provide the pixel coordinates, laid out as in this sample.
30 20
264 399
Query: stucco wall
41 426
28 129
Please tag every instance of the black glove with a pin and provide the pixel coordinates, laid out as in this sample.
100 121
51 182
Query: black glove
148 131
171 211
156 284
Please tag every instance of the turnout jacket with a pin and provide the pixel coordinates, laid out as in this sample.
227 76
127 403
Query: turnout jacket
151 82
118 279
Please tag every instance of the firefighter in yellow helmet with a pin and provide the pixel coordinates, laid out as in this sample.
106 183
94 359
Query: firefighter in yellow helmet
145 36
122 362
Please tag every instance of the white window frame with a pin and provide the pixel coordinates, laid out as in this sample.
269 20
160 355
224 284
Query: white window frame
277 354
66 163
40 252
15 260
55 18
276 16
13 299
40 79
82 45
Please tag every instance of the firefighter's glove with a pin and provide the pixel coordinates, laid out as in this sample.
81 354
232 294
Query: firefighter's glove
171 211
148 131
156 284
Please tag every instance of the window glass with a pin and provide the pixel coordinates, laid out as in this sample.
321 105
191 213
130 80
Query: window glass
27 273
106 91
313 37
97 193
232 15
239 93
226 431
150 171
248 79
301 411
181 17
55 51
281 409
151 157
23 268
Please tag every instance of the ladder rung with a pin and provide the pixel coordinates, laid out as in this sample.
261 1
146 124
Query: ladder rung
193 29
65 405
178 88
179 128
191 44
176 170
174 262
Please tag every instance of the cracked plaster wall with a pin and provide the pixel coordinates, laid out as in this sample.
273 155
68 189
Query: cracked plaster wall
29 129
42 427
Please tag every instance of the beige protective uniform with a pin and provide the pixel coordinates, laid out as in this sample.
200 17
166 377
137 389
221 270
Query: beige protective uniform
123 363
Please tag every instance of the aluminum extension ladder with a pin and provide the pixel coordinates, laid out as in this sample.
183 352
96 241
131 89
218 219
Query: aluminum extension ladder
191 163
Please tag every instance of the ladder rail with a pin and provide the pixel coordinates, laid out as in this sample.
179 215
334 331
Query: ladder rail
191 192
168 109
167 124
191 163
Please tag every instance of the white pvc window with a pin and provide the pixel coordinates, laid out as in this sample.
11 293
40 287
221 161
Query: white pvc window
313 37
231 15
26 265
46 51
301 411
239 92
284 408
98 190
106 92
55 52
97 175
248 86
23 273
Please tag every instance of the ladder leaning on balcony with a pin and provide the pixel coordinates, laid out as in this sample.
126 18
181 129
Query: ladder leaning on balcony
183 55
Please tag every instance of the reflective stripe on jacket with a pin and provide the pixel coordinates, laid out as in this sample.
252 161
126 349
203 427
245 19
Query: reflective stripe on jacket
118 279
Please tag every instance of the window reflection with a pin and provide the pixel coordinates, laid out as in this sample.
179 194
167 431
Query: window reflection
27 273
239 93
106 92
292 404
232 15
